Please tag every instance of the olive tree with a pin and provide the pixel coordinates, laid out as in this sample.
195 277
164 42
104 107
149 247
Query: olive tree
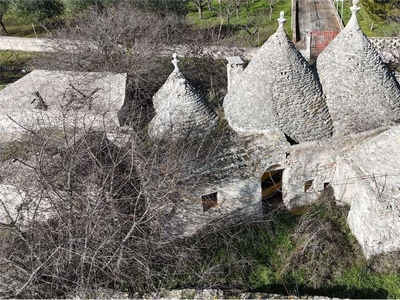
4 5
37 10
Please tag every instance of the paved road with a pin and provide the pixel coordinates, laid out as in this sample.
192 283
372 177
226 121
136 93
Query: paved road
316 15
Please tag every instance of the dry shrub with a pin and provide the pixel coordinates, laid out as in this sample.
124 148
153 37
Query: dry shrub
107 205
322 244
386 263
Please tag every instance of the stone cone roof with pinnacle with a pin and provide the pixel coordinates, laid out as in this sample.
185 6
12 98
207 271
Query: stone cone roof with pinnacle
361 92
181 110
278 89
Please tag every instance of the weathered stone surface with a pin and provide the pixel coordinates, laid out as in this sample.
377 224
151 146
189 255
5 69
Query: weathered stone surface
310 168
71 99
20 201
99 293
219 294
278 90
181 110
11 200
387 47
368 177
234 174
361 92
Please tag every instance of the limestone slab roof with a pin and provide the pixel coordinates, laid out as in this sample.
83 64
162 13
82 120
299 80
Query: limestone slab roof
361 92
278 89
60 98
181 109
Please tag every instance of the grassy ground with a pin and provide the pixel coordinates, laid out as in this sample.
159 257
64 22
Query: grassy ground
252 28
16 27
312 254
13 66
371 27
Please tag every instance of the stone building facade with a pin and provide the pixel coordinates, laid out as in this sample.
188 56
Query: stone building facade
292 133
295 133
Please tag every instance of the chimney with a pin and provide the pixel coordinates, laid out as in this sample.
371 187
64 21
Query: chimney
234 70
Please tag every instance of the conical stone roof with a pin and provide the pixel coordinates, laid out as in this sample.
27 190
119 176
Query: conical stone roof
180 108
278 89
361 92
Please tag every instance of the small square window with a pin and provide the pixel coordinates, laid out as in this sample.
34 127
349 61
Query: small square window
308 185
209 201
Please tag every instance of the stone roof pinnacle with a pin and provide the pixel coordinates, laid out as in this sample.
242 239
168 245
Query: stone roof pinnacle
281 20
353 22
175 62
354 9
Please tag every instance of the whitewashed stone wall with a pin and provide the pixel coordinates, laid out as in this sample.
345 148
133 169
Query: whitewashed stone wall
235 175
317 161
371 184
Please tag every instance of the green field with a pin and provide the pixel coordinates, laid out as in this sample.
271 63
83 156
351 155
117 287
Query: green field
371 26
252 28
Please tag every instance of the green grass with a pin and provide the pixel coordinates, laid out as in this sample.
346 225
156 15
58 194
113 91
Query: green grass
237 31
312 254
380 27
18 59
11 65
18 27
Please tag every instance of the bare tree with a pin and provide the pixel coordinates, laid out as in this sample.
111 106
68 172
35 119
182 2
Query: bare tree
200 6
252 28
238 4
271 4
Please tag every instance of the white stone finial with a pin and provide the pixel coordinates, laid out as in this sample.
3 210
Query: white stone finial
354 9
281 19
175 62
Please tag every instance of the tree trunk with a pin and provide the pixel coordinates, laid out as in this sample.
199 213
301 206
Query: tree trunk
200 9
237 12
3 27
271 8
209 4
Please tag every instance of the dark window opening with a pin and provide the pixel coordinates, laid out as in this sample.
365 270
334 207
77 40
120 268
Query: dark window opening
209 201
326 185
308 185
290 140
271 187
